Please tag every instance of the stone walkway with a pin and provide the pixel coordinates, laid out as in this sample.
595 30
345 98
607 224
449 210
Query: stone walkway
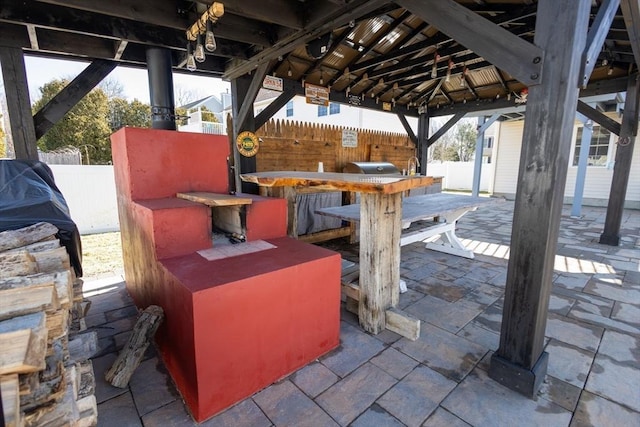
592 337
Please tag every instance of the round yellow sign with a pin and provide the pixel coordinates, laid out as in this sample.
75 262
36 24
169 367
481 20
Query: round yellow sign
247 143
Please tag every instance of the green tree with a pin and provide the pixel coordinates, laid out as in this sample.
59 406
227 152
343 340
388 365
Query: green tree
465 137
124 113
85 126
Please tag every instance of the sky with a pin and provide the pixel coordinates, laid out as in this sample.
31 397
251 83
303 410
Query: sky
134 80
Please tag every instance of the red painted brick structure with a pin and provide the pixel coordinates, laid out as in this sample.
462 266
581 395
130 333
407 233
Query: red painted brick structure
235 325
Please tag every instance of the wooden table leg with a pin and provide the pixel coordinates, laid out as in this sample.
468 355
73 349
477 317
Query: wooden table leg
380 228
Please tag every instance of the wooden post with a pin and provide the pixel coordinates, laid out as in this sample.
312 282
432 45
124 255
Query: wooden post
380 215
622 167
422 138
561 30
16 89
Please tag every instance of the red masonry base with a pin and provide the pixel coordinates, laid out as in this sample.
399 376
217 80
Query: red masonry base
232 326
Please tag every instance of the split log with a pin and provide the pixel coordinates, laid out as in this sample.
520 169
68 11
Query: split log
44 245
131 355
83 346
47 387
9 391
62 280
21 301
88 412
52 260
87 379
17 264
11 239
23 341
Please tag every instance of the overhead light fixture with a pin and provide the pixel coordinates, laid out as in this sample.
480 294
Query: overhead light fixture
434 67
209 39
191 61
203 26
199 53
610 70
449 68
463 81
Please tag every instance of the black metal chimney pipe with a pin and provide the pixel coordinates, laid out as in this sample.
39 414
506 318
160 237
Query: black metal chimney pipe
161 88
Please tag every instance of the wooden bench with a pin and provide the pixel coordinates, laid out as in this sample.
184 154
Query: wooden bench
448 208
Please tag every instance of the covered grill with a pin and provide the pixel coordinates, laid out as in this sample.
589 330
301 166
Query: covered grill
371 168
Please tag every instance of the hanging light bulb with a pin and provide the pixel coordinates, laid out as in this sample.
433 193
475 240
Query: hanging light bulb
449 68
209 39
199 52
434 67
191 61
610 70
463 81
321 78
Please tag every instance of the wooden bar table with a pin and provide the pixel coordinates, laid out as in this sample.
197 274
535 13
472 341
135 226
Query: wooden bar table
380 229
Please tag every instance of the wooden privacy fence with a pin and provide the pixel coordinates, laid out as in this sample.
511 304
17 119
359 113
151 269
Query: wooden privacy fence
290 145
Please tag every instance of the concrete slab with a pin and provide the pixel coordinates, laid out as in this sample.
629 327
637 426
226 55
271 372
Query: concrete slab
356 347
313 379
119 411
414 398
451 355
347 399
245 413
480 401
285 404
593 410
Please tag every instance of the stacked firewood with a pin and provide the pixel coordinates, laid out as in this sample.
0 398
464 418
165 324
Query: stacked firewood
46 376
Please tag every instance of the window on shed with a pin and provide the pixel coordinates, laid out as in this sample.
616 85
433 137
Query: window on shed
322 110
289 108
334 108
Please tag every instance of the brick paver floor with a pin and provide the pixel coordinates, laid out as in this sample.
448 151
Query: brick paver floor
592 337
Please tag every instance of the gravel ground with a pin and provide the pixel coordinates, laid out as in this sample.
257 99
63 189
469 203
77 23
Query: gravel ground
101 255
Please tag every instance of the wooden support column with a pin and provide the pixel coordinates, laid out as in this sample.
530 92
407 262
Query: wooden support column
483 124
622 167
581 174
422 139
380 215
16 89
561 31
243 93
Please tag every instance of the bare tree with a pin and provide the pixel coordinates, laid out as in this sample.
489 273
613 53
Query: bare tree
112 87
182 96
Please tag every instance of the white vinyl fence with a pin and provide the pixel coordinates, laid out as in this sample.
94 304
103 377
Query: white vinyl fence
459 175
90 192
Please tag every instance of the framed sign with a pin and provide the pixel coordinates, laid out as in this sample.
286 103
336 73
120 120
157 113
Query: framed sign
247 143
349 138
317 95
272 82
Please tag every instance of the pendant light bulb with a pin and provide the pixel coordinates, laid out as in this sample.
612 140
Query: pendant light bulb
209 39
434 67
191 61
199 53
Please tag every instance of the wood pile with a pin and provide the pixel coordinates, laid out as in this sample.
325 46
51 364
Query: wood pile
46 376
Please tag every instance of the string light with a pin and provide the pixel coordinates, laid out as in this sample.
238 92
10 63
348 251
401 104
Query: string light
463 81
449 68
209 39
191 61
199 53
434 67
